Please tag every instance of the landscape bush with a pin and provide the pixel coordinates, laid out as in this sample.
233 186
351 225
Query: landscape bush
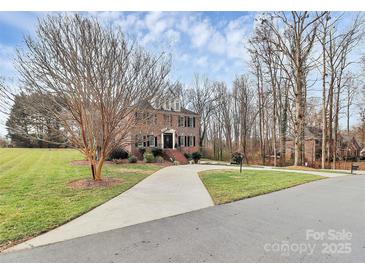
187 155
132 159
141 151
148 157
159 159
196 156
118 154
156 151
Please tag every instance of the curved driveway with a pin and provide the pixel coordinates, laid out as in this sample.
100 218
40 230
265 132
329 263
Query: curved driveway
250 230
170 191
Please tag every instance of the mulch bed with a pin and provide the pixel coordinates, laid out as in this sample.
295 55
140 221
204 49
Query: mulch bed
89 183
85 163
124 161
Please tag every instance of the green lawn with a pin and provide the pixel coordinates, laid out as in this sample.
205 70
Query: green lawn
34 191
230 185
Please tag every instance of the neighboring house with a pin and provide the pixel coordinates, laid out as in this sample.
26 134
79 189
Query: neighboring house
166 125
312 145
347 146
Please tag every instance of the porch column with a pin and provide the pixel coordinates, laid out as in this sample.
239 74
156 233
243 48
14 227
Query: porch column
173 140
162 141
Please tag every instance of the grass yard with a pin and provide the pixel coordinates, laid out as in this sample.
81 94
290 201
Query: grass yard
34 192
227 186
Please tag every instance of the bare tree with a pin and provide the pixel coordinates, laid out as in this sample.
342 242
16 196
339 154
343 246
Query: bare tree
99 79
244 112
224 107
295 37
202 100
322 37
262 45
351 91
257 71
336 47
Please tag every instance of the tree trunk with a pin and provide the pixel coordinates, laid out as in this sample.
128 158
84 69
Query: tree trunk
324 110
99 168
298 132
298 118
283 129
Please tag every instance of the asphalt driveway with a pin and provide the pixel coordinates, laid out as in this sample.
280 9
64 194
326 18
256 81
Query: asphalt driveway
317 222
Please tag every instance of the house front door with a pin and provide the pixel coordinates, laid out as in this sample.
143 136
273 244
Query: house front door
167 140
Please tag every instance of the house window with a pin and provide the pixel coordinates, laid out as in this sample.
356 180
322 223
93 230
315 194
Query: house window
138 116
181 141
145 141
139 140
181 121
190 123
177 106
191 141
147 118
151 141
166 117
168 120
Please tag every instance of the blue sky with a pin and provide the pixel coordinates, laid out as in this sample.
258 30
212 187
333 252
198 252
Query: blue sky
212 43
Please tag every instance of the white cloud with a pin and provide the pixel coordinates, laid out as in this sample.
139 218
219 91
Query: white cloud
202 61
156 23
173 36
184 58
237 35
131 21
200 33
217 43
218 66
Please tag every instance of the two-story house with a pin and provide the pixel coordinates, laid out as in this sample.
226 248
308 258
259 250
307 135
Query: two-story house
166 125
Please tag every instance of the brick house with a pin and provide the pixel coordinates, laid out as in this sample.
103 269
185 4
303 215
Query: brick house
166 125
347 146
312 145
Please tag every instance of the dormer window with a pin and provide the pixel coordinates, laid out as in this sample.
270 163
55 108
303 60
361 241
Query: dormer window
171 105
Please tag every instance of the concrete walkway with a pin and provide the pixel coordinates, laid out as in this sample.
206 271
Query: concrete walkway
170 191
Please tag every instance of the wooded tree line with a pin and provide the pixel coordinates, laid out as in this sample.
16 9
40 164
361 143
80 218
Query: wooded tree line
33 127
291 54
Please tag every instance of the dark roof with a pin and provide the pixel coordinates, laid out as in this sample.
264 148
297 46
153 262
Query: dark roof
147 105
350 139
310 132
184 110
